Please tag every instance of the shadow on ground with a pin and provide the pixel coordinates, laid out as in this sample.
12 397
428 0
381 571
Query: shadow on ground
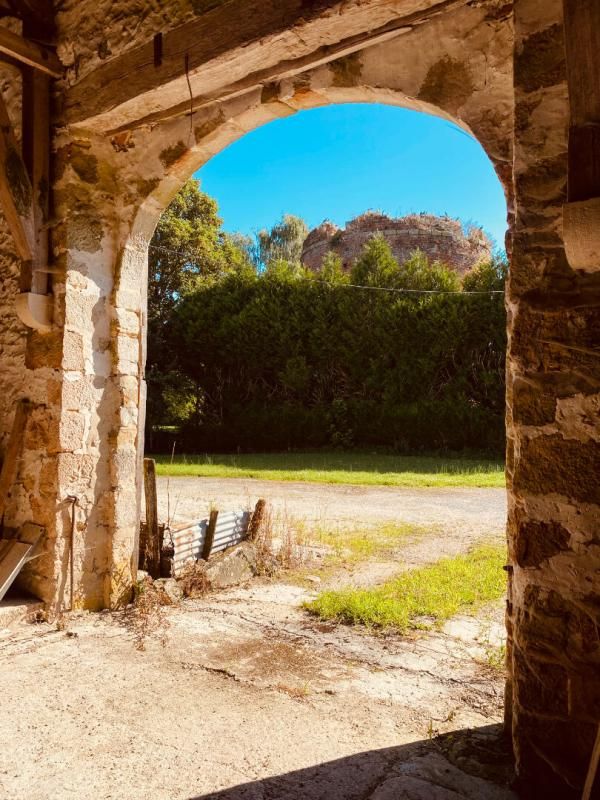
466 764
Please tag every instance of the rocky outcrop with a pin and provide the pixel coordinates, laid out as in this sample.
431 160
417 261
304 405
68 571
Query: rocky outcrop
440 238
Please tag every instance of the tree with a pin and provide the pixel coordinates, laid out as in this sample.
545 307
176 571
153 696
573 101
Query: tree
283 242
488 276
188 247
376 265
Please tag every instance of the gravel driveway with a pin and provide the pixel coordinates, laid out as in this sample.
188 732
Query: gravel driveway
482 510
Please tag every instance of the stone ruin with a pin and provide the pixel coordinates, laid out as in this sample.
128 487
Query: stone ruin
110 106
440 238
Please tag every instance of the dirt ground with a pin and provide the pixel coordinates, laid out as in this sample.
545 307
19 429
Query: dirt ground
250 698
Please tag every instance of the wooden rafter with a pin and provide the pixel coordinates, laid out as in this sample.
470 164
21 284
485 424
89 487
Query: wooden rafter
30 53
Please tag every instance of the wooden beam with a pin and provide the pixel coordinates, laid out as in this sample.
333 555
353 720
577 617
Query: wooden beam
36 155
38 14
210 534
224 46
16 194
582 42
284 69
30 53
153 543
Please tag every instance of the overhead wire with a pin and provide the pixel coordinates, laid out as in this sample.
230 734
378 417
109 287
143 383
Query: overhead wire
390 289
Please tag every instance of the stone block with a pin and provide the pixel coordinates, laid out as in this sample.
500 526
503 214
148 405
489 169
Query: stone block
540 60
553 465
536 542
44 350
234 566
72 430
541 687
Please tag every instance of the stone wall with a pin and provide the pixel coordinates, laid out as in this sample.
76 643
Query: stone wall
554 437
440 238
12 331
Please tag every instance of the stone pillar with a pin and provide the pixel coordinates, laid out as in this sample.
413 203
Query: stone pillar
554 438
96 350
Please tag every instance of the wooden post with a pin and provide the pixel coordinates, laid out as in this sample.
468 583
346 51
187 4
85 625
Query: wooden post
210 535
153 541
582 39
36 155
257 519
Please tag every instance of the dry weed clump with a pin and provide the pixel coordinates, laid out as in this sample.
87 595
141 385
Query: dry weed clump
278 543
193 580
146 617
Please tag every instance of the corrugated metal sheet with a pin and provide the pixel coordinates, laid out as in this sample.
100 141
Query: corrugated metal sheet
188 542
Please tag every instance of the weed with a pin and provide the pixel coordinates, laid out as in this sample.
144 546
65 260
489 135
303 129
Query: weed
495 657
146 617
193 580
420 598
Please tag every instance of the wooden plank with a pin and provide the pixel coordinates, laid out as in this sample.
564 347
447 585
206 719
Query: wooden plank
582 41
16 194
30 53
584 162
36 156
224 46
13 555
210 535
8 473
592 769
153 543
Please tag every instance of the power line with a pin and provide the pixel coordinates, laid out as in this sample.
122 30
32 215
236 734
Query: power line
388 289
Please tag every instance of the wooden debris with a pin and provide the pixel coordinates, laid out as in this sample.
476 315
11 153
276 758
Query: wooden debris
210 535
257 519
153 540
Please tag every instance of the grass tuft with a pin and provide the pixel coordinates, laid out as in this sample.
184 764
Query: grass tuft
420 598
365 469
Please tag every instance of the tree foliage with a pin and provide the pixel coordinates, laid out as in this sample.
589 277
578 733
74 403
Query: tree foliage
187 248
283 242
248 349
284 359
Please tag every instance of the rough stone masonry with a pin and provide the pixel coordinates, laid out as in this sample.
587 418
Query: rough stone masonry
149 92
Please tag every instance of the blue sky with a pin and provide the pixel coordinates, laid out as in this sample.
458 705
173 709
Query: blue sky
339 161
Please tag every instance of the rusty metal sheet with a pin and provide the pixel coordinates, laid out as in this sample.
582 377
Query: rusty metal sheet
188 541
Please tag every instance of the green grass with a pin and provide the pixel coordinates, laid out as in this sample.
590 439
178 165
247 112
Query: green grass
366 469
421 598
349 545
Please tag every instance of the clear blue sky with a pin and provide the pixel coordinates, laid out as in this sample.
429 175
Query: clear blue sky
339 161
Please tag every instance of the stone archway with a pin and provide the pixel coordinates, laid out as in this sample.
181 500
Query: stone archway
121 156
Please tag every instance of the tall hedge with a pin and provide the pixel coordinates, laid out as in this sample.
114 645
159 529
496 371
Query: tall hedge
281 360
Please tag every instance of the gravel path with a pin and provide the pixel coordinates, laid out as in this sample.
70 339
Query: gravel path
479 510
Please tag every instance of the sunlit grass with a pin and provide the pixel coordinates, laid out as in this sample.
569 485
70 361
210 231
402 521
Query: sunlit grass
367 543
383 469
421 598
